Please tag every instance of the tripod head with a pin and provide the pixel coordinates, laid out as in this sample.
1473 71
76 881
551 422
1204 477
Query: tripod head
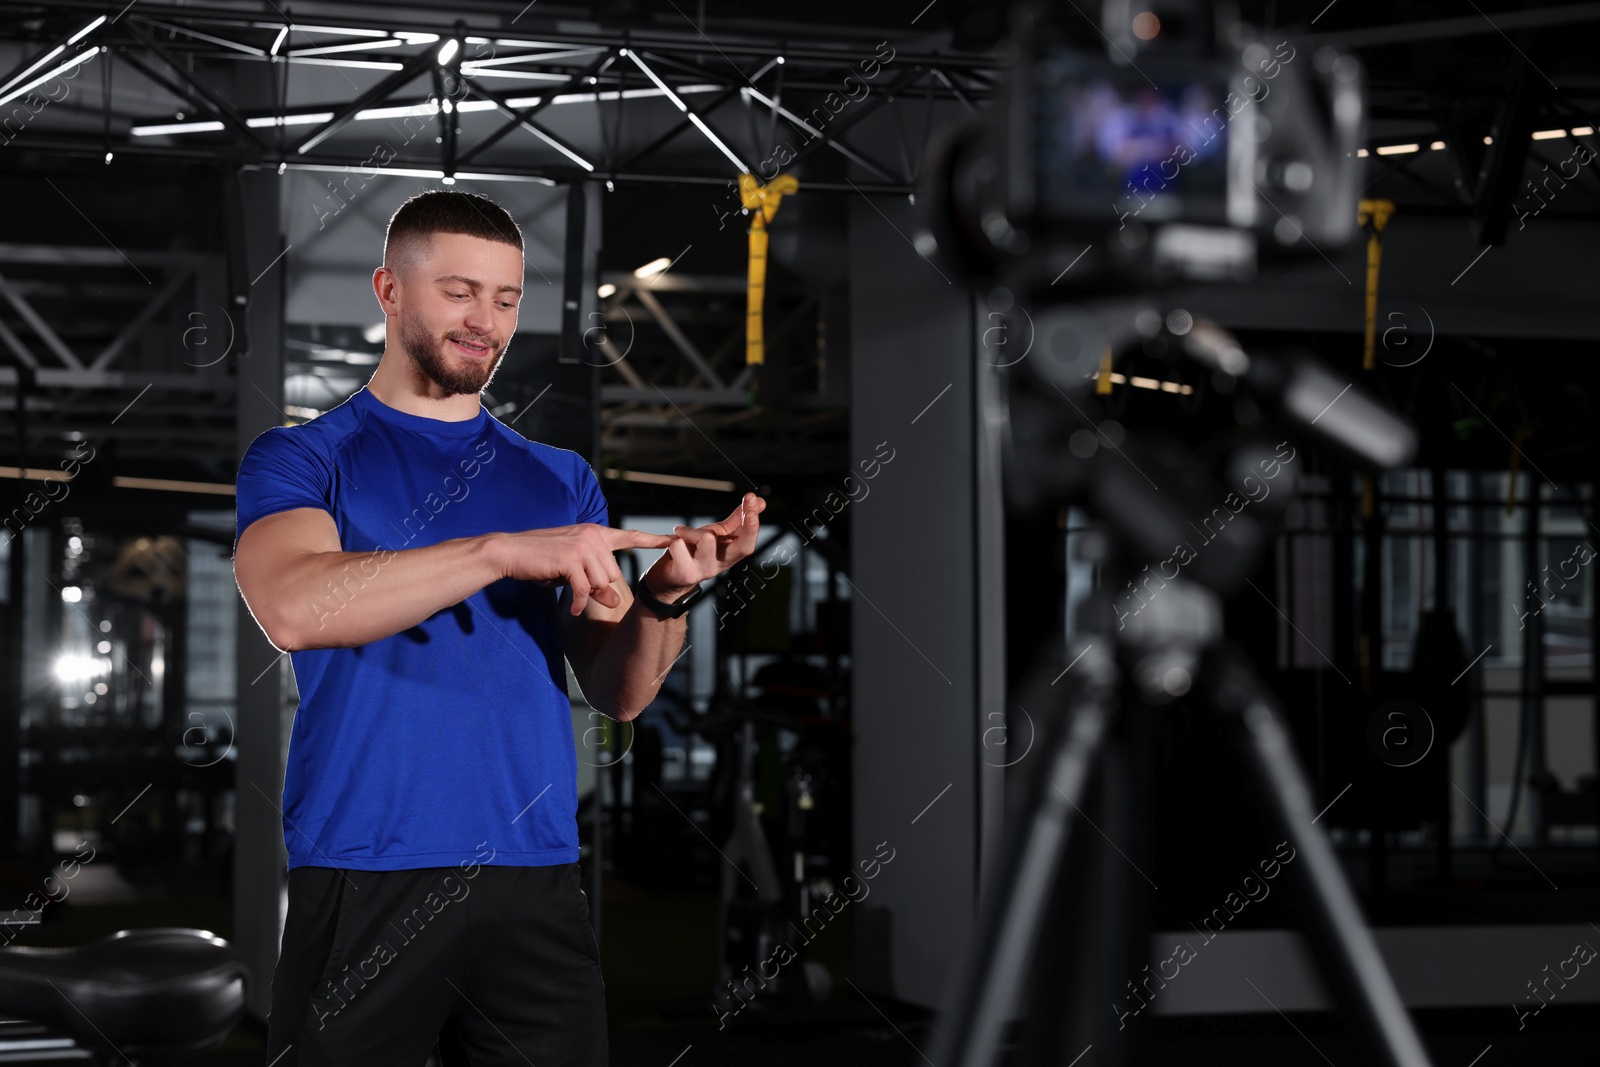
1155 491
1178 525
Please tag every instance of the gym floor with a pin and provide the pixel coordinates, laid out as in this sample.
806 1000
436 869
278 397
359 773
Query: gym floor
660 963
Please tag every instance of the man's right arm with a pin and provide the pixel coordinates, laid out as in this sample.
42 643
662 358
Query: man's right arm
306 592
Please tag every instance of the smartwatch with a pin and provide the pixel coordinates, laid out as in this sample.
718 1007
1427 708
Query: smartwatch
674 610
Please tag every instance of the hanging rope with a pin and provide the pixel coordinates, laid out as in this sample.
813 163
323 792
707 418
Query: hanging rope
762 202
1373 215
1102 380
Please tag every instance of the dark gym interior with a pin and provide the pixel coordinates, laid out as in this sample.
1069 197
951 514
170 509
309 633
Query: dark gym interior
1178 466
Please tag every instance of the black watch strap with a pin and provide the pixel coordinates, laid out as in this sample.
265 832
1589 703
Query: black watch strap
675 610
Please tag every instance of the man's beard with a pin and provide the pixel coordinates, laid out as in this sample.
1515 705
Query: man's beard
428 352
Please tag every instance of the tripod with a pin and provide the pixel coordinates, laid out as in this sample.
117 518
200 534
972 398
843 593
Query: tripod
1097 732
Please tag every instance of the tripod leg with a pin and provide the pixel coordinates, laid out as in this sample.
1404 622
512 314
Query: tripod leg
985 989
1097 936
1343 943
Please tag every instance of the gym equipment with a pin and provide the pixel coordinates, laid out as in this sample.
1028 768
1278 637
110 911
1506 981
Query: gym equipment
137 993
760 908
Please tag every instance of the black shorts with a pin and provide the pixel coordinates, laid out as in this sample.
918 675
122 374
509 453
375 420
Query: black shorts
491 965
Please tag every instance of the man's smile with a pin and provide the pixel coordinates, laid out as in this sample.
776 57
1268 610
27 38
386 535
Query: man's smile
476 349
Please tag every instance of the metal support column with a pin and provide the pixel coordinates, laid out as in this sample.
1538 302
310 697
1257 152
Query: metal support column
1533 668
922 792
1473 598
12 689
259 858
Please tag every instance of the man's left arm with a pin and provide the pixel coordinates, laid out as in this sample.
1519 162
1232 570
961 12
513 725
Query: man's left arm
621 655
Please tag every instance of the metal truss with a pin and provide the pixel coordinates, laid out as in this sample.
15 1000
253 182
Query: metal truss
684 390
203 86
721 87
677 108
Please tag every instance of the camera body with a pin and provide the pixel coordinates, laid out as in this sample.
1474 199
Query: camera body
1176 146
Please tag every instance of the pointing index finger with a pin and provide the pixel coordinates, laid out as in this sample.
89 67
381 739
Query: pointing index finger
616 539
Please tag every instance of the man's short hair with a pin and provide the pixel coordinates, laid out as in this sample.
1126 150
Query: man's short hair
412 226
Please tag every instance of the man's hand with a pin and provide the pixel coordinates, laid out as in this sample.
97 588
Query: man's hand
697 553
579 556
621 657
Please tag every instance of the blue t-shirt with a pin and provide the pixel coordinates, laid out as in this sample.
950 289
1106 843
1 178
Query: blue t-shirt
440 743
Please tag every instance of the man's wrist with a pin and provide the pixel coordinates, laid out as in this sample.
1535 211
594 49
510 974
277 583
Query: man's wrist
667 594
489 550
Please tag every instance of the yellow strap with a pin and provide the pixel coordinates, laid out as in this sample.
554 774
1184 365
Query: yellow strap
1102 384
754 341
1374 214
762 201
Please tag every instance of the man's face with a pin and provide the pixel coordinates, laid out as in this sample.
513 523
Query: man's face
458 309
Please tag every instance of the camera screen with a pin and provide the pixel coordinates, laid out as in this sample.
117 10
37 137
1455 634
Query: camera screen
1112 145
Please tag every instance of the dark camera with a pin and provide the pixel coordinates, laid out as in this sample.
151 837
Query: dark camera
1172 145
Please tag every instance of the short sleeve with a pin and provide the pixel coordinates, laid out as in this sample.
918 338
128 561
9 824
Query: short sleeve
278 473
591 501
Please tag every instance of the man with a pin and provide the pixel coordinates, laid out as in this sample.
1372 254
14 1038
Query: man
406 548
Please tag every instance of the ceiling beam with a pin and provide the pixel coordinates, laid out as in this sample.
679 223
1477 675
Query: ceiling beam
1476 25
413 67
38 325
134 381
96 256
518 116
199 95
1500 177
730 398
109 354
680 340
